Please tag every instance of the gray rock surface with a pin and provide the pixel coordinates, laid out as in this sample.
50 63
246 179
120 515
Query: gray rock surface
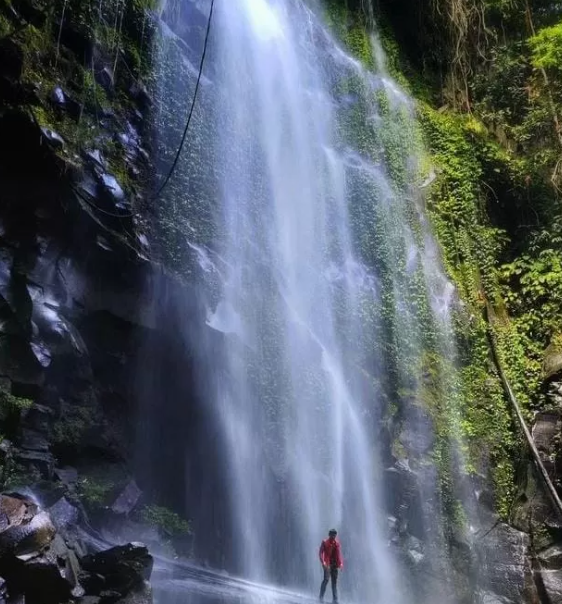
39 563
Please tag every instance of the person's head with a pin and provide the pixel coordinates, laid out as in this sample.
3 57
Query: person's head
332 534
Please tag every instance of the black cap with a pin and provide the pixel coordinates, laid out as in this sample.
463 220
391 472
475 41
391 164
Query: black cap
332 532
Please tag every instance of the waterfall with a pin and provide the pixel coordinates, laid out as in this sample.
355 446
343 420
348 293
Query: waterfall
297 205
299 427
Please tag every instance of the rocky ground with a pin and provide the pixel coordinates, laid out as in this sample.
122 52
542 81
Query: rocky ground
43 559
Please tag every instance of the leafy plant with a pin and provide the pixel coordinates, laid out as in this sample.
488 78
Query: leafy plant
166 520
546 48
93 492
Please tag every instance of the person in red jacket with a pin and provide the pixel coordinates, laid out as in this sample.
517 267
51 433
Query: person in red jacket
332 562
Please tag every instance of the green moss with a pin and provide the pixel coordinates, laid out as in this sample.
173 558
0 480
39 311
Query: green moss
350 27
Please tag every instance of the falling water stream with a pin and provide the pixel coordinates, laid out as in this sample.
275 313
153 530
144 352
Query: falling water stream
314 265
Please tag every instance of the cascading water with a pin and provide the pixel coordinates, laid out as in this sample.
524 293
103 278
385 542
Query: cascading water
300 206
298 427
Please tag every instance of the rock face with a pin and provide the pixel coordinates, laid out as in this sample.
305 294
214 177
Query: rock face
43 562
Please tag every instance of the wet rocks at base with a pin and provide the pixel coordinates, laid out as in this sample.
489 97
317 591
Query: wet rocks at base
45 559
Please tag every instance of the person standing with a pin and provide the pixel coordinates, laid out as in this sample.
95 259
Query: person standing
332 562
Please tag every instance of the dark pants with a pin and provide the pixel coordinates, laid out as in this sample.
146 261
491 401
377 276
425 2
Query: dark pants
330 573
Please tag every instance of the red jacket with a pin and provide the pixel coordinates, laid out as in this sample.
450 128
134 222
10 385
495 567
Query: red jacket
326 548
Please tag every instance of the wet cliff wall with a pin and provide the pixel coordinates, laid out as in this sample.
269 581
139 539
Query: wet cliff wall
484 76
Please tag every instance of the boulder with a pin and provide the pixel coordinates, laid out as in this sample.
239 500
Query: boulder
67 475
127 499
53 138
551 558
32 440
43 579
39 463
58 97
64 515
503 559
141 595
38 562
111 187
39 418
546 431
27 531
551 583
121 569
106 79
141 95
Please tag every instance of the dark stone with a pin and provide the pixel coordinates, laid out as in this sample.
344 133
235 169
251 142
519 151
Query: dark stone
551 558
33 441
63 514
18 362
43 463
141 595
67 475
554 394
123 568
545 430
551 584
111 187
127 499
54 139
58 97
39 418
93 583
41 351
533 509
503 552
106 79
43 580
96 158
11 59
141 95
403 498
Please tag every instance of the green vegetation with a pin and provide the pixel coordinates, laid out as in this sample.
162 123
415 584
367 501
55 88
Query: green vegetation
75 420
546 48
487 78
94 492
165 520
10 403
465 399
351 27
58 52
